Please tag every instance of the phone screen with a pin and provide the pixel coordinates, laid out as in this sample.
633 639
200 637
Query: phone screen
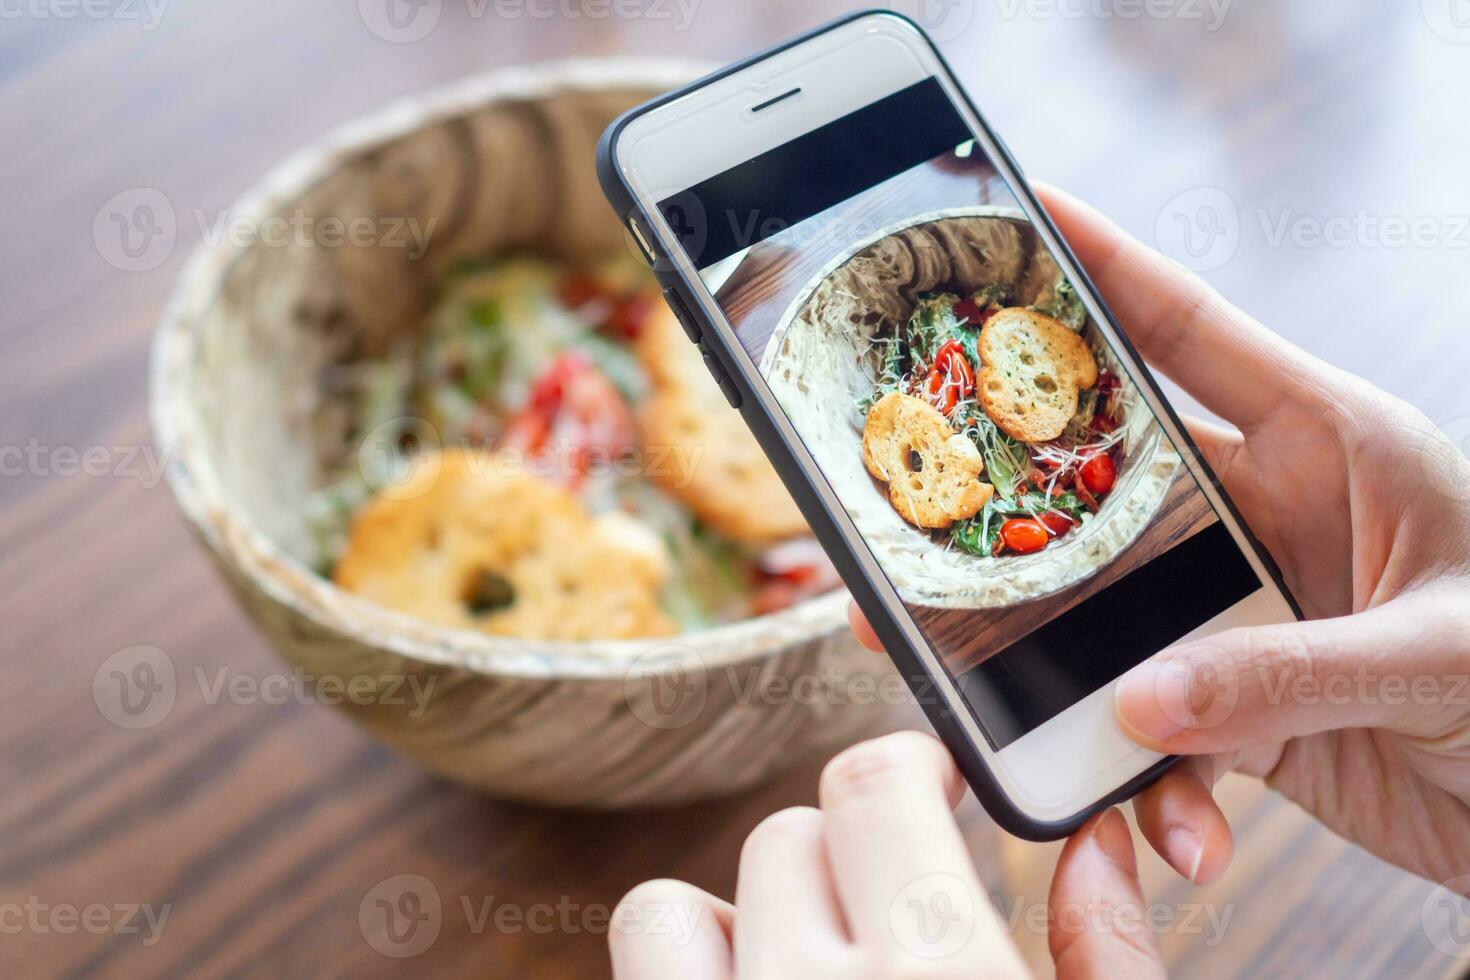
992 449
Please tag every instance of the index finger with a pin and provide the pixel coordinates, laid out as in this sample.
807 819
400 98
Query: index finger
1233 365
1096 910
903 872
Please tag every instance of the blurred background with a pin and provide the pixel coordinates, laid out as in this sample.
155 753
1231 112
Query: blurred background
1306 158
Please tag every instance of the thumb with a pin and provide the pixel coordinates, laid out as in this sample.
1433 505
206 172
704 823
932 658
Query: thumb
1097 916
1397 666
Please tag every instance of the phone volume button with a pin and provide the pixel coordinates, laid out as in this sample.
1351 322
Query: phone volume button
731 393
681 313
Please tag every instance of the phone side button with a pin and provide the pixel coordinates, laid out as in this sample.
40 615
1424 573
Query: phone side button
681 313
732 395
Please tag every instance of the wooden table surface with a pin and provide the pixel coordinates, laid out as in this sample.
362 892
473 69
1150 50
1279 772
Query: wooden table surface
261 829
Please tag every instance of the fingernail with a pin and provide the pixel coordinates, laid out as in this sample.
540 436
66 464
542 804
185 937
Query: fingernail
1116 840
1153 701
1184 851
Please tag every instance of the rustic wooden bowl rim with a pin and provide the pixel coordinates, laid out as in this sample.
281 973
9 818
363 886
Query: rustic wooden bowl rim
282 578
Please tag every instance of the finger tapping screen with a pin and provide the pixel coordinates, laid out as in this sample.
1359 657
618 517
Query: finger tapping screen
989 445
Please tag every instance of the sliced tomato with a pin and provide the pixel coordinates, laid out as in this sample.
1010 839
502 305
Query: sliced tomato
1023 535
952 362
951 378
1056 522
576 411
942 395
1099 474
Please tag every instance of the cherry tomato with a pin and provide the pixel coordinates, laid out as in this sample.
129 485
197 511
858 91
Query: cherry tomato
951 378
1099 474
574 409
1056 522
1024 535
952 362
941 395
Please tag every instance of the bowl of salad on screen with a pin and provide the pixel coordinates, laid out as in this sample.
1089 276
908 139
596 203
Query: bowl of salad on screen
993 449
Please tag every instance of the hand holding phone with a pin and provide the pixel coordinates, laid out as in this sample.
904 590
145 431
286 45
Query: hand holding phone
1367 504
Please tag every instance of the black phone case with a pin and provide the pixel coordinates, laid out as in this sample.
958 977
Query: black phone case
954 736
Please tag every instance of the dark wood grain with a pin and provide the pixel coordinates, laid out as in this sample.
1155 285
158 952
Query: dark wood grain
263 827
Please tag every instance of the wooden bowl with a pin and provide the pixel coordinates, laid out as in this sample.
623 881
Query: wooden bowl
496 163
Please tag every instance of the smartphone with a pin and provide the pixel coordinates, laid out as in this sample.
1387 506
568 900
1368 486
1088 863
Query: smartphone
989 464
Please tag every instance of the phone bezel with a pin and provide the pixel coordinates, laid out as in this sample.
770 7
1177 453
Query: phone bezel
985 768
